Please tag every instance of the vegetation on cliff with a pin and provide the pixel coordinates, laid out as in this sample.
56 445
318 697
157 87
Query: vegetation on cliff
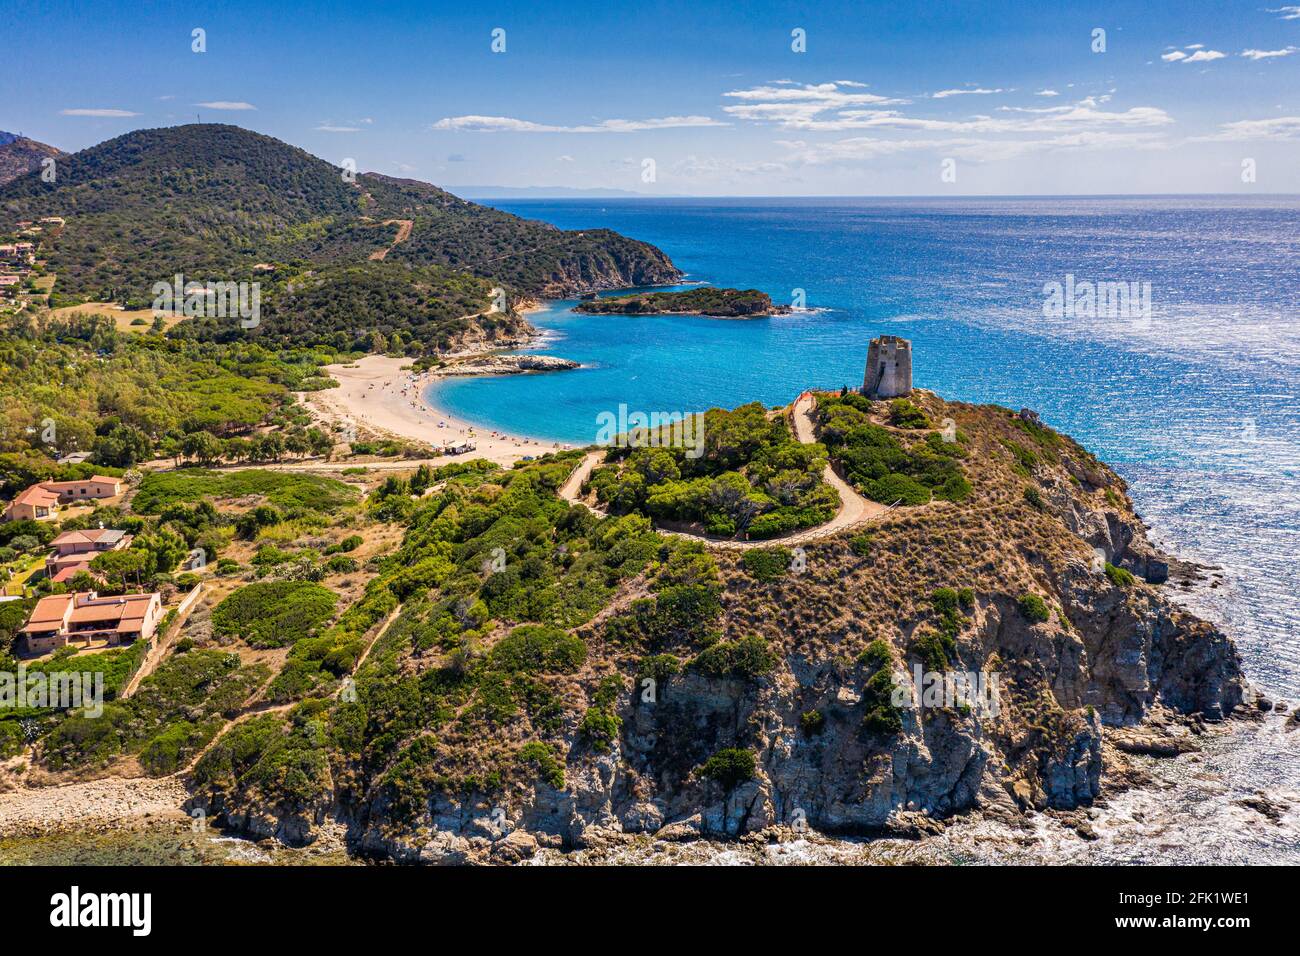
722 303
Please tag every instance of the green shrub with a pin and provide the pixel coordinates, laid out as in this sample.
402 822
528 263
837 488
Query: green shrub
876 656
1034 497
860 544
813 722
1034 608
1120 577
659 667
747 658
904 414
767 564
730 767
545 759
274 613
881 716
600 725
538 648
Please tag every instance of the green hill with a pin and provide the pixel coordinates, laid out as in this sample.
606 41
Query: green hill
212 202
19 155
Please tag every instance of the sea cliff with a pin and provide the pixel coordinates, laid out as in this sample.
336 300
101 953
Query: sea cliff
773 702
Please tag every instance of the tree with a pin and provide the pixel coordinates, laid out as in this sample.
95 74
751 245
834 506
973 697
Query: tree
203 447
120 567
123 447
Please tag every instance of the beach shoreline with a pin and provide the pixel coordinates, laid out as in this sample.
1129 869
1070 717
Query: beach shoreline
383 396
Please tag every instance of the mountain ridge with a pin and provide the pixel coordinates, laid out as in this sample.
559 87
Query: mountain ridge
212 202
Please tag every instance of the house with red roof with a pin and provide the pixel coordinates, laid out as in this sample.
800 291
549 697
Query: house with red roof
41 501
74 550
61 619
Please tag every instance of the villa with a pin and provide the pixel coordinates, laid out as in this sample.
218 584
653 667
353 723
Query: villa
74 550
41 501
61 619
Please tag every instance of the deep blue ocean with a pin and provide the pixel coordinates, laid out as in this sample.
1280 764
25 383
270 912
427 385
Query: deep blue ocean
1197 404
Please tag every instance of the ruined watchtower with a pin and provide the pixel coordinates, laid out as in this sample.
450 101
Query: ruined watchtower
889 368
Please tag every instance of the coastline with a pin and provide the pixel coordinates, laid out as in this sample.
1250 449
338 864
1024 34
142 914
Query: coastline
376 395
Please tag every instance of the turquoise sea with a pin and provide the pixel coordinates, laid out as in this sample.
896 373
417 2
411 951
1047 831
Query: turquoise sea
1197 404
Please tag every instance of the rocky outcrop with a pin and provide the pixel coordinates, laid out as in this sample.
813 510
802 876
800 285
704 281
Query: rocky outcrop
507 365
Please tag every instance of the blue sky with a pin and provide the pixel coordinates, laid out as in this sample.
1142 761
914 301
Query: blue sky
886 99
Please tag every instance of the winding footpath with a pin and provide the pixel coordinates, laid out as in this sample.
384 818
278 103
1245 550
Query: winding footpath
854 510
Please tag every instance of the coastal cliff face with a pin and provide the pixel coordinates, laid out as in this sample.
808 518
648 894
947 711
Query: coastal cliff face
773 708
604 260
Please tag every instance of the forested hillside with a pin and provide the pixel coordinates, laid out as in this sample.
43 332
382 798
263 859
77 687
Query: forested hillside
213 202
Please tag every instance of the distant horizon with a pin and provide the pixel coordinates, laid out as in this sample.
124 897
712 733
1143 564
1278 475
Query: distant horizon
536 193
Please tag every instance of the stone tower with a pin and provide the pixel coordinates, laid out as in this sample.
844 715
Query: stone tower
889 368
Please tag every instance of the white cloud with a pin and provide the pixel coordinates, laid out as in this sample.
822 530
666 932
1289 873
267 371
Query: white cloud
1276 128
1267 54
1173 57
1204 56
976 91
507 124
328 128
861 148
97 112
564 159
1287 13
227 105
1047 93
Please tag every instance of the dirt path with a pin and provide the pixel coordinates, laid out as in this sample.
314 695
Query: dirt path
404 227
854 509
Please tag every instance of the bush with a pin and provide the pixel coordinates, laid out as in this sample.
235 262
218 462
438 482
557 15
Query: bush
876 656
600 725
881 716
276 613
813 723
1034 498
747 658
904 414
548 763
350 543
659 667
1120 577
730 767
767 564
538 648
1034 608
860 544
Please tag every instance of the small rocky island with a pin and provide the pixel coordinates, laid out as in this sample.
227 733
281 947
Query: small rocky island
507 365
722 303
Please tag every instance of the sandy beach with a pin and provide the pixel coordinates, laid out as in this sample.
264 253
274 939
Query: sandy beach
376 396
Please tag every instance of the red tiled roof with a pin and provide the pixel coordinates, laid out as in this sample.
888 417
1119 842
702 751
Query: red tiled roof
37 495
89 536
